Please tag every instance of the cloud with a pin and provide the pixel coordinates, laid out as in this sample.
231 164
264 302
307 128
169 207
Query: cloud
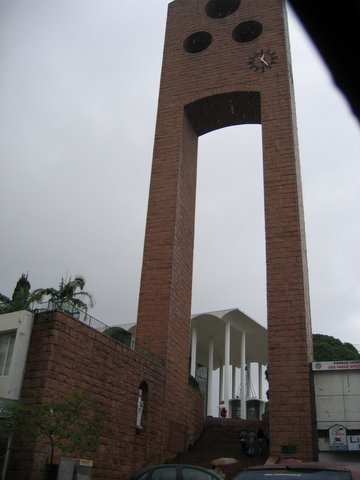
78 91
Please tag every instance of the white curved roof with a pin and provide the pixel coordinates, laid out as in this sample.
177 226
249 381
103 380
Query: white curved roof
211 325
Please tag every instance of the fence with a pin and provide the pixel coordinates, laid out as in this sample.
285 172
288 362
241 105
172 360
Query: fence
70 309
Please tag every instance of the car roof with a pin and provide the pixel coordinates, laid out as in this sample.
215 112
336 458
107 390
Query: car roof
174 465
178 465
294 463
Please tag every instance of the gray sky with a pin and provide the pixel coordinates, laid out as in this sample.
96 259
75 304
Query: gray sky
79 84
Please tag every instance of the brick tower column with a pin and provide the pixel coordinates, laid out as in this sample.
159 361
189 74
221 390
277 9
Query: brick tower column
227 63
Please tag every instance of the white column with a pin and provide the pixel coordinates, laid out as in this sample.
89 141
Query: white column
210 376
221 382
248 380
233 382
260 381
243 376
261 392
227 365
193 351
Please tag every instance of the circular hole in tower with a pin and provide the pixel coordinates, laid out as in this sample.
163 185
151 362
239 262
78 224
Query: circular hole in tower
221 8
247 31
197 42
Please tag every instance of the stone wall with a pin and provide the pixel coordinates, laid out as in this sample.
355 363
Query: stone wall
65 355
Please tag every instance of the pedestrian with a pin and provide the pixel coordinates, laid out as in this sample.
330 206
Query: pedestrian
218 470
251 443
223 414
244 441
260 439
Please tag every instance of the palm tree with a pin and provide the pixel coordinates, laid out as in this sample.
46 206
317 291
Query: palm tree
71 291
22 297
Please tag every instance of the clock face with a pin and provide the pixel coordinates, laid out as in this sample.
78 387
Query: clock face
262 60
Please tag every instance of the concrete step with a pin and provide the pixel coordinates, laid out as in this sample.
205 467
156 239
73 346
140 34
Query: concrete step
222 440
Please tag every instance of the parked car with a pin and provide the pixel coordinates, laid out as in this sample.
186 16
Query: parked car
173 471
297 470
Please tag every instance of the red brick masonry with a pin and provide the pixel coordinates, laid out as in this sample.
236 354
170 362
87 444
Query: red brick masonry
211 80
65 355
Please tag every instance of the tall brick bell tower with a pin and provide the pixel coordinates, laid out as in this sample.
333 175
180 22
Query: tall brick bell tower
227 62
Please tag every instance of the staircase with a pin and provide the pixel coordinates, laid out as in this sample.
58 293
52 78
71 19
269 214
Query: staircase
218 440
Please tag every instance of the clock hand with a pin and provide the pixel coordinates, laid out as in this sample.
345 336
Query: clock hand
262 59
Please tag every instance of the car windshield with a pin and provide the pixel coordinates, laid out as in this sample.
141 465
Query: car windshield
194 474
164 473
294 474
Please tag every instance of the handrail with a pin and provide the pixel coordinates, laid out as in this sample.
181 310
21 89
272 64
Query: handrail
84 317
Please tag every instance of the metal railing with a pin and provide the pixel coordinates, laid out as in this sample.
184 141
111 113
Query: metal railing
70 309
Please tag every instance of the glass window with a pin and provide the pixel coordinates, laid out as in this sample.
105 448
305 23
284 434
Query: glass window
7 342
166 473
193 474
143 476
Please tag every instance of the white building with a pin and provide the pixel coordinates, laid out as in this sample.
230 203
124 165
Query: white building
15 335
337 401
233 345
229 351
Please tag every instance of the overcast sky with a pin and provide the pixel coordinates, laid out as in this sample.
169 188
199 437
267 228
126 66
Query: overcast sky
79 85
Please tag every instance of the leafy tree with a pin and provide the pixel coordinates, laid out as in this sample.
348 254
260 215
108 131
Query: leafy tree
71 291
71 423
22 297
327 348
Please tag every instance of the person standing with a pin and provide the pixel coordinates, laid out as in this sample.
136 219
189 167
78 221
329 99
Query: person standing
251 443
260 439
244 441
223 415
